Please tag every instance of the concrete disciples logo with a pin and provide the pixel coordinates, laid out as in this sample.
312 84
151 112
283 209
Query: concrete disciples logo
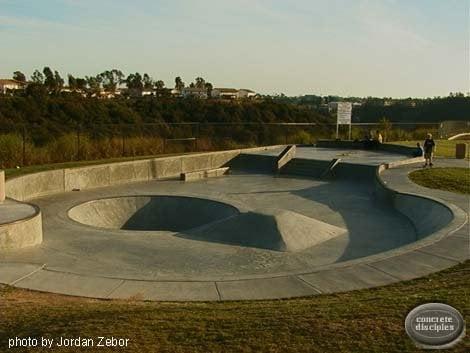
435 326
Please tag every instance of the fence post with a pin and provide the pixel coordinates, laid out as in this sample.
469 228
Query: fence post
2 186
123 142
78 142
24 145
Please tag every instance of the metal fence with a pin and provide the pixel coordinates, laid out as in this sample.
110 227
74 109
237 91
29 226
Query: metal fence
23 145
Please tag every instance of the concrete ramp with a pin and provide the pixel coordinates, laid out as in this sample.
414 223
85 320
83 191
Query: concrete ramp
328 171
273 229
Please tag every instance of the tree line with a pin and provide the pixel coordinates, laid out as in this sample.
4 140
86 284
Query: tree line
108 81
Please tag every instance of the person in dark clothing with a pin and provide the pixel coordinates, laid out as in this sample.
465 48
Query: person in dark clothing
429 147
419 151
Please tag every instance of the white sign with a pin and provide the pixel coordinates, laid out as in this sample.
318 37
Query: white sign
344 113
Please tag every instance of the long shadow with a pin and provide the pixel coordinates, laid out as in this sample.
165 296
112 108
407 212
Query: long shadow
372 225
177 213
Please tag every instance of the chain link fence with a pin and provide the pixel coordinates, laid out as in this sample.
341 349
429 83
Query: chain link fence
23 145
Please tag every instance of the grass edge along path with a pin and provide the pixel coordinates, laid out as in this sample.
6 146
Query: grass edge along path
455 180
368 320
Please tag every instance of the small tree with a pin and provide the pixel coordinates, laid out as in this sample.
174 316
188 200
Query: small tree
179 84
208 86
37 77
19 76
386 126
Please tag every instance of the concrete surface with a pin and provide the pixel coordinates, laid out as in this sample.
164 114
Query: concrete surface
151 213
205 173
381 244
20 225
13 211
285 156
63 180
363 157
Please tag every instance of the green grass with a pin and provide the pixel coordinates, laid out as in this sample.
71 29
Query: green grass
444 148
360 321
449 179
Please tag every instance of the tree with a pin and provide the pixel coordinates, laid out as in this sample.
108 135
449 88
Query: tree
179 84
134 81
111 79
19 76
49 80
37 77
81 84
159 85
200 82
208 87
59 82
147 82
386 126
94 85
72 82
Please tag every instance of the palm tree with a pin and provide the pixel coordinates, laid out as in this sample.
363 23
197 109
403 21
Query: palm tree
179 84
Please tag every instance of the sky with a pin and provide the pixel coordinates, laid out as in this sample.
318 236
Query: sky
381 48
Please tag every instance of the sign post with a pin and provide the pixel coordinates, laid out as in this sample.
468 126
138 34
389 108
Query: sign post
343 116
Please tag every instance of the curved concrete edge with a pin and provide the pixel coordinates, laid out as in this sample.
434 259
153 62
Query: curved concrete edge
28 232
45 183
432 220
22 233
456 137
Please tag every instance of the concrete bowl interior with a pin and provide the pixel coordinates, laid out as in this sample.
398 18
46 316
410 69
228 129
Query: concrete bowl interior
151 213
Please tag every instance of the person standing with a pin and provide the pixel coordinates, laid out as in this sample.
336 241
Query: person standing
379 137
429 147
419 151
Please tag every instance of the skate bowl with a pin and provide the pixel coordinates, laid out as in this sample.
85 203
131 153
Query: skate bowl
133 229
151 213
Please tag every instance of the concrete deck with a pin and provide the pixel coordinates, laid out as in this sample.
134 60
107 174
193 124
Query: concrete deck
12 211
354 156
380 246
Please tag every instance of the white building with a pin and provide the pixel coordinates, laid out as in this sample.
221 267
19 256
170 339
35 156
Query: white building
194 92
10 85
246 93
175 92
225 93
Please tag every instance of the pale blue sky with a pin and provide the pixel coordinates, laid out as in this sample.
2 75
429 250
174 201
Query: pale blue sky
387 48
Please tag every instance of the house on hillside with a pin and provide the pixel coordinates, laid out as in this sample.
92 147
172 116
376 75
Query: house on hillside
225 93
175 92
246 93
194 92
7 85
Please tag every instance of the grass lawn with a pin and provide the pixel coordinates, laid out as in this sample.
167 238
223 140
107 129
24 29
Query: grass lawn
444 148
359 321
449 179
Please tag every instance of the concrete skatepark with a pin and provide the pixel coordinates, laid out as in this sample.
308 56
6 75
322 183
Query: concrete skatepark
286 222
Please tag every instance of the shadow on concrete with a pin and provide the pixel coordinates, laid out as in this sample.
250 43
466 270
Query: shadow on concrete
372 226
